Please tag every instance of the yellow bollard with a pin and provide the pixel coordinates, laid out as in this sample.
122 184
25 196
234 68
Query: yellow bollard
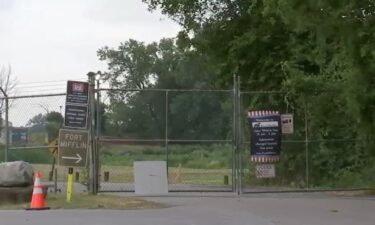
69 185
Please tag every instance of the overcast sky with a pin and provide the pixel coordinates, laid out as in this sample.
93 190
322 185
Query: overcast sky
47 42
57 39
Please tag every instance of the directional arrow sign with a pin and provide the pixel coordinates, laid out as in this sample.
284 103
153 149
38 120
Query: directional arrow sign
78 158
73 145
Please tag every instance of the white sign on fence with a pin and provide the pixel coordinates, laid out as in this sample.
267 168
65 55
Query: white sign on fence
287 123
265 170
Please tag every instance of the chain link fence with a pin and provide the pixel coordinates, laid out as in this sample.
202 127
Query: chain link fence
194 132
189 129
34 122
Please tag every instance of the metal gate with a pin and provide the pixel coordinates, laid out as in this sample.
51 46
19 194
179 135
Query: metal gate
203 136
189 129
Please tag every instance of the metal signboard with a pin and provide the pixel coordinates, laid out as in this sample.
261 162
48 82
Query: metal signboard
265 131
75 116
287 123
265 170
77 92
73 145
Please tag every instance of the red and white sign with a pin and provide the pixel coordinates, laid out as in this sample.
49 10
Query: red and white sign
287 123
78 87
264 159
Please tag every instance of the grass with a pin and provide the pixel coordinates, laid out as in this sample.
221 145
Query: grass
82 201
189 156
200 164
187 164
359 193
213 156
124 174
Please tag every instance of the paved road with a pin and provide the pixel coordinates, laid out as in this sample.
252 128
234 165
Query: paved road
215 209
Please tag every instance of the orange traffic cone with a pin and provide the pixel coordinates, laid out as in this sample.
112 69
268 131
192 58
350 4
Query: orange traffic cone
37 200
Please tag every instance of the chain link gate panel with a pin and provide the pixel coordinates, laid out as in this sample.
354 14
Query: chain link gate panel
189 129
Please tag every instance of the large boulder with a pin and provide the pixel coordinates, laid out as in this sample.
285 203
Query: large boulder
16 174
15 194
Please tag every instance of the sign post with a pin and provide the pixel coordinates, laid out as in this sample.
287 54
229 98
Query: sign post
93 166
52 149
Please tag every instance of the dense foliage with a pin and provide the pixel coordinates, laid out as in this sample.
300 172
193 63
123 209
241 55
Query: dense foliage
319 54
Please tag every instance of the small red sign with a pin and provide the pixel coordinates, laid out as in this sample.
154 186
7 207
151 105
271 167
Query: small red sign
78 87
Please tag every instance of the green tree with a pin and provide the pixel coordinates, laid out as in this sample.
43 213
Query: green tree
161 65
37 123
320 53
54 121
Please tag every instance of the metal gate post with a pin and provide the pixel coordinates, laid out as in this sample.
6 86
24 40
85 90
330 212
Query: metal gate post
239 142
93 184
6 124
98 116
6 128
97 136
306 149
237 119
234 167
166 130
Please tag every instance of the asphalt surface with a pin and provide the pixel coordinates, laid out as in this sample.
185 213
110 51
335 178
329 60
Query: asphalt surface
216 209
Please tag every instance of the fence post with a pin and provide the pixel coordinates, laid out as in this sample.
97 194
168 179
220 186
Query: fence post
6 128
237 119
98 130
234 161
93 184
98 121
166 130
239 191
306 148
6 125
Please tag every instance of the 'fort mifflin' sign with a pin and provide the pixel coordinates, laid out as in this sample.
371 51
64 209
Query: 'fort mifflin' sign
73 145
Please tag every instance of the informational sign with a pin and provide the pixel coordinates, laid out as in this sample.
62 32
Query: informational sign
77 92
287 123
53 147
265 170
75 116
76 105
73 145
265 131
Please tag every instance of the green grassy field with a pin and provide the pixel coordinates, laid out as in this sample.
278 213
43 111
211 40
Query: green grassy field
187 164
200 164
124 174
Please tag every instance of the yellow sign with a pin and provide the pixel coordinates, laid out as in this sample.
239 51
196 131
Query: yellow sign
53 147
